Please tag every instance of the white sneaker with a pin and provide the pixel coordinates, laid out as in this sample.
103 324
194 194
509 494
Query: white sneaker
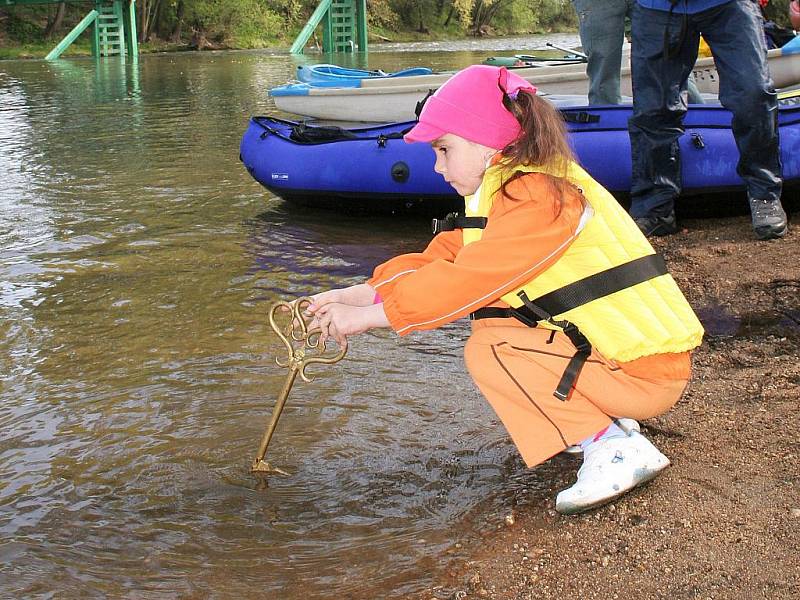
627 425
611 467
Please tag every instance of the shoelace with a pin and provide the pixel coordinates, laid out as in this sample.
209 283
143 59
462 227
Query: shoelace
765 208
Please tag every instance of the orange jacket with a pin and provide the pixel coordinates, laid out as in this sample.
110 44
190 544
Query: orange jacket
527 231
449 280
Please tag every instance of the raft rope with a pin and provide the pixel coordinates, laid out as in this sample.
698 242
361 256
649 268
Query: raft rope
308 134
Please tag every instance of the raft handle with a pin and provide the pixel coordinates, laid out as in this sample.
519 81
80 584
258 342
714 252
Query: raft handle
697 141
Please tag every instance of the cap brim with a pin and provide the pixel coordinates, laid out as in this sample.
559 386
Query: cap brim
423 132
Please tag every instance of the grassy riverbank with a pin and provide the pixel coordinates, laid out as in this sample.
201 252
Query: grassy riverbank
82 48
32 31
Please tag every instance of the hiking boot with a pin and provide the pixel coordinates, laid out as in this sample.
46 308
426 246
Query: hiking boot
627 425
657 225
611 467
769 219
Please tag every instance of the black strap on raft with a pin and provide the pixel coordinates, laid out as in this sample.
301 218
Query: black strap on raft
579 117
457 221
315 134
578 293
303 133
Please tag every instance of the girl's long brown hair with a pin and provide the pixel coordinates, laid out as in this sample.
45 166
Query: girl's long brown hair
543 141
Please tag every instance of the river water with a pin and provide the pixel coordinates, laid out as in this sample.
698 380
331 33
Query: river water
138 263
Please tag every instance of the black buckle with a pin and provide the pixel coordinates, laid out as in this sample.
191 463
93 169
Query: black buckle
445 224
541 314
576 337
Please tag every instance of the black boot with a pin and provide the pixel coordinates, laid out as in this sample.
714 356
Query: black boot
769 219
657 225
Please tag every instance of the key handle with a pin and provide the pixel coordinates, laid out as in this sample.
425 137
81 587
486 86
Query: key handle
302 344
303 348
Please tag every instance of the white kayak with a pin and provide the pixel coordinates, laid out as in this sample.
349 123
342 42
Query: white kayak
390 100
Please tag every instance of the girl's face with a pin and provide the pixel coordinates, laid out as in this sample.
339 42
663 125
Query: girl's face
461 162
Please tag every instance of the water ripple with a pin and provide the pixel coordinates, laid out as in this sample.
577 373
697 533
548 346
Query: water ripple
137 263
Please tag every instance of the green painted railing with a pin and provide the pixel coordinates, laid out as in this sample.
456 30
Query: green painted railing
130 29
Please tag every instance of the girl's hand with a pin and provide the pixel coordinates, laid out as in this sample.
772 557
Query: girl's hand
356 295
340 321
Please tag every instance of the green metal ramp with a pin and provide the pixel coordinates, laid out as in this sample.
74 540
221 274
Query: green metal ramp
344 27
114 30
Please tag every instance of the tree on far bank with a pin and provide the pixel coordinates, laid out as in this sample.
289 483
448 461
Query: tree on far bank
54 24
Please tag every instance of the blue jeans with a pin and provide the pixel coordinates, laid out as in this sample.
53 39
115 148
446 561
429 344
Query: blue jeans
602 31
733 31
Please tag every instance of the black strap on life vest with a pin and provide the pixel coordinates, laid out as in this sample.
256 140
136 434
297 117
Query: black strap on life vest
573 295
602 284
457 221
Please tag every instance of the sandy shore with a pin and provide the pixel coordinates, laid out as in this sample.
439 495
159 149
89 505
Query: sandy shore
724 520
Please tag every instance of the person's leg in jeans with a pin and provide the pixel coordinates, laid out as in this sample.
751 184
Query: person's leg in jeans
733 31
659 105
602 31
694 95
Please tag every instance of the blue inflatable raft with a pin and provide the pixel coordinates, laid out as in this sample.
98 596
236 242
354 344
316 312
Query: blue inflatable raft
316 164
324 75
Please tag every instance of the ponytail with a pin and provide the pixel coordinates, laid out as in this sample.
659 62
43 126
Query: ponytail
543 141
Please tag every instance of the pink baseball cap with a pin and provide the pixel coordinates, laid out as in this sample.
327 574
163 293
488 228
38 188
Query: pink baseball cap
470 105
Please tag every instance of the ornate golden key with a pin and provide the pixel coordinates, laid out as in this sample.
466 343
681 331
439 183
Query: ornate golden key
304 349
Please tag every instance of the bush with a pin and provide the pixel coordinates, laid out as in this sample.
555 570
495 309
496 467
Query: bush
22 29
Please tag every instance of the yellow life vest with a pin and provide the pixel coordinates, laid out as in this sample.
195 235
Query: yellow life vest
703 49
646 318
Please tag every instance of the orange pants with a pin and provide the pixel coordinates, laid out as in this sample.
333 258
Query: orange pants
517 368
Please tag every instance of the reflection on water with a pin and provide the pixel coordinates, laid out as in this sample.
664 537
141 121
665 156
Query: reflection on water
138 262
